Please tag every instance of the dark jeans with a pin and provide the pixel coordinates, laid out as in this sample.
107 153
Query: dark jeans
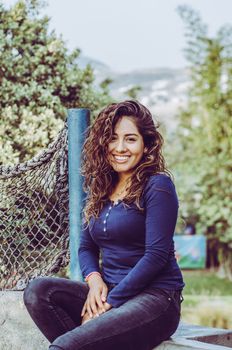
143 322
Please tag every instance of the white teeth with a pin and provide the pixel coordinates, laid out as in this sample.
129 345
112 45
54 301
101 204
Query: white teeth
121 158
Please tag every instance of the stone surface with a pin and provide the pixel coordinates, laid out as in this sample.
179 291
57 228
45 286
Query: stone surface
189 337
18 332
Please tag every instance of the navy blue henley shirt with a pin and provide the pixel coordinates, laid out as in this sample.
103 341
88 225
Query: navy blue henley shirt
137 248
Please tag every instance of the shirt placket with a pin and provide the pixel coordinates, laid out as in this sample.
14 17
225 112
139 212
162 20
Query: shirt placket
105 220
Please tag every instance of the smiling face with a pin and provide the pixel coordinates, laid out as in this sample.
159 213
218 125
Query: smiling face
126 148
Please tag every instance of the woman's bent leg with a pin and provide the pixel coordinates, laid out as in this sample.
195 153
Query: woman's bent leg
140 324
55 304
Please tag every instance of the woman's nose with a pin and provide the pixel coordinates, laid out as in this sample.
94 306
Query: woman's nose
120 146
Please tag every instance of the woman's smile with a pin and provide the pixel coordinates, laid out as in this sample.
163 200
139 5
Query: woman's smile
121 159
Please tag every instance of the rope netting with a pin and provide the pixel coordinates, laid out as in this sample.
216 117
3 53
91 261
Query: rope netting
34 233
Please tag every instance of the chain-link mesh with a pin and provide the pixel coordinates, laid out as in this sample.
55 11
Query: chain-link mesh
34 216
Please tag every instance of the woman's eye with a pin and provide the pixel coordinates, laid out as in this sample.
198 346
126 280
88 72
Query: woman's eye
131 139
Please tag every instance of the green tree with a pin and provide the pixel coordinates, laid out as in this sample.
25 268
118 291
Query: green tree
203 156
133 91
39 79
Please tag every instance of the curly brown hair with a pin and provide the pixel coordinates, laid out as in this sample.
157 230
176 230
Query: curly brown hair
100 178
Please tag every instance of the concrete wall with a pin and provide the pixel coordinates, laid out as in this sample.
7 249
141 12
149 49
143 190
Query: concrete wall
18 332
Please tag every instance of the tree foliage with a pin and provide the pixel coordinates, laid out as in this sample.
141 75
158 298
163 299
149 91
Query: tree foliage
39 79
133 91
203 158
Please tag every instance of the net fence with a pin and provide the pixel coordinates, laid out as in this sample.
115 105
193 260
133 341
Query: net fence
34 232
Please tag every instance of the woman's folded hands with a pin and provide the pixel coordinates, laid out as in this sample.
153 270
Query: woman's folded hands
95 303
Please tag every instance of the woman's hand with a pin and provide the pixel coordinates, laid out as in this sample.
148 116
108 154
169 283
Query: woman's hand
87 318
96 299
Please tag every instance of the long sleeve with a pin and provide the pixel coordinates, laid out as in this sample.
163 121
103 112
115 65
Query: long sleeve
88 253
161 205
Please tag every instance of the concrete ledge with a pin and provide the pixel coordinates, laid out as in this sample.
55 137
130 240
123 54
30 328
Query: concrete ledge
189 337
18 332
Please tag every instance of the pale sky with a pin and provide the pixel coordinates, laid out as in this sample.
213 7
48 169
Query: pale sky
131 34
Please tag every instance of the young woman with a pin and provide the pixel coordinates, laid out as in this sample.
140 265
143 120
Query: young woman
132 291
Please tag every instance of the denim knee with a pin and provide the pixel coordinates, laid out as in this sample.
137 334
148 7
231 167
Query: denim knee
34 290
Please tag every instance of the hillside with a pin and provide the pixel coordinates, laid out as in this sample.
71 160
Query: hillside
163 90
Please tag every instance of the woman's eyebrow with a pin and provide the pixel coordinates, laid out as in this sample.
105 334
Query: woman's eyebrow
127 134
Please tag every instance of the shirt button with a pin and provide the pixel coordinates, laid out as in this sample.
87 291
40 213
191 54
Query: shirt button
104 221
104 229
110 207
107 214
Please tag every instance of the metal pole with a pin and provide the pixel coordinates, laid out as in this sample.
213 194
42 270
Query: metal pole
78 121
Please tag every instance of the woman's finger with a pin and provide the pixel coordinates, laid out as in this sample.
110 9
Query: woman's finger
83 310
99 302
89 310
93 304
107 306
85 318
104 293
